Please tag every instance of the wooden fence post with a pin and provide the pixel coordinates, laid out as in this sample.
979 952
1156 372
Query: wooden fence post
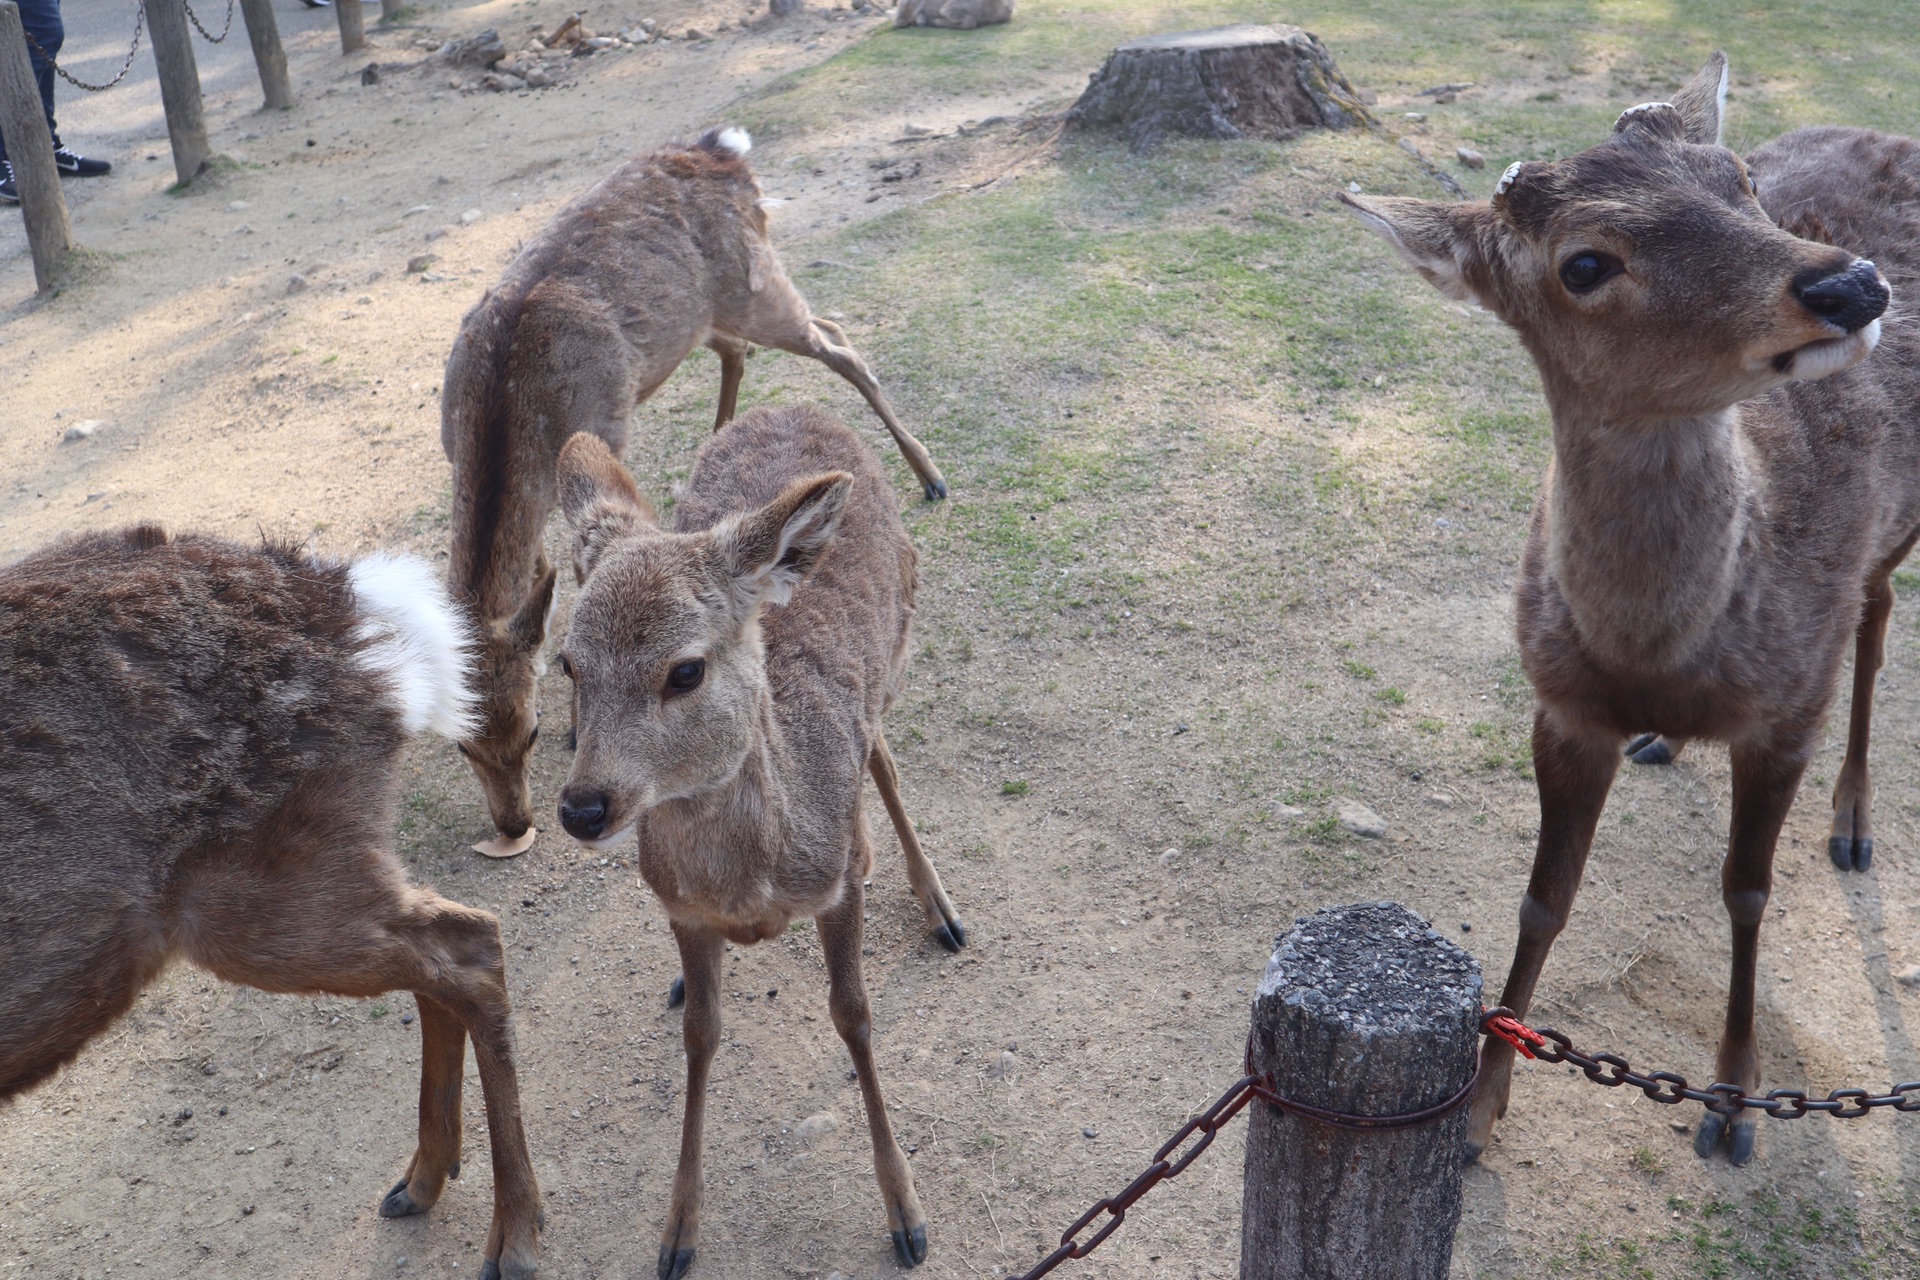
264 33
1363 1009
353 25
23 120
390 10
179 87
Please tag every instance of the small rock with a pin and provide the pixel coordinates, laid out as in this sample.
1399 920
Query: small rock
296 283
1371 97
81 430
1446 98
538 78
1679 1126
1440 799
782 8
1288 812
1359 819
471 216
1909 976
916 131
1089 1132
1412 148
694 33
238 206
1166 858
1003 1066
1465 927
1417 117
406 1019
817 1126
371 75
502 81
1470 158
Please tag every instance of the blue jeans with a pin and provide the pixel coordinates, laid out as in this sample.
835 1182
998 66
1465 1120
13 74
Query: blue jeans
41 18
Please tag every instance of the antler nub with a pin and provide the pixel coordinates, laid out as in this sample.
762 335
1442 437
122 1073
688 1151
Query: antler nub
1507 178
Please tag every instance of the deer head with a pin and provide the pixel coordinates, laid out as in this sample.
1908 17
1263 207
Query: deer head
509 716
1642 274
664 649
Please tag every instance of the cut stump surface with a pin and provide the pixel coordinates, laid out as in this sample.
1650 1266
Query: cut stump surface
1243 81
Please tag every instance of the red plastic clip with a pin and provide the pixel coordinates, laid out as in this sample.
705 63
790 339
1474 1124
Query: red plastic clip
1498 1022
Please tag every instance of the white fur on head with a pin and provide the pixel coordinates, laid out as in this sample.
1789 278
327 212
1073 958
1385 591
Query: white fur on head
416 640
735 139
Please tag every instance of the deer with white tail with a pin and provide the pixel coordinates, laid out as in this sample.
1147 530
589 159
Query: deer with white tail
731 675
1736 475
670 251
198 755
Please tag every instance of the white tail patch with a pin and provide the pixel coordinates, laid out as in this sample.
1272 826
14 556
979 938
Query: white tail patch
417 640
735 139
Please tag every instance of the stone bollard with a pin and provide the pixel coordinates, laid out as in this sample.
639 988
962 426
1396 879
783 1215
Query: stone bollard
1365 1010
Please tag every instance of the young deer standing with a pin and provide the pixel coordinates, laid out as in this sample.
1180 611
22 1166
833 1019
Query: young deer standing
666 253
1736 473
732 735
197 758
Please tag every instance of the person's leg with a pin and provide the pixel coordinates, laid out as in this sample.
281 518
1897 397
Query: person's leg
41 18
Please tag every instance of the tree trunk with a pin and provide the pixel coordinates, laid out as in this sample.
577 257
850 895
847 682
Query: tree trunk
1243 81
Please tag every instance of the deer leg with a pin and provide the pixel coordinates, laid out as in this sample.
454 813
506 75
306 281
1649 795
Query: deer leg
1654 748
343 925
1573 774
1851 844
1766 776
733 365
941 913
443 1054
700 1032
823 340
840 936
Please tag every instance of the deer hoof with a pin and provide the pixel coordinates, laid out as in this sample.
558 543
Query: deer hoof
675 1263
1849 853
1649 748
1706 1139
911 1245
935 489
398 1204
1740 1149
951 934
490 1269
677 993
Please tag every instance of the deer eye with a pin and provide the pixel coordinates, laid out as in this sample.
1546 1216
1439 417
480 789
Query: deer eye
1585 271
463 750
687 676
533 737
566 668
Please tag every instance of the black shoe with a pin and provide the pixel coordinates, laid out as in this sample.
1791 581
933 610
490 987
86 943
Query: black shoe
9 194
74 166
317 4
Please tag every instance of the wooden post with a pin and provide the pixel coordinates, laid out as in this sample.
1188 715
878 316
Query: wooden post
353 25
179 87
264 32
1365 1010
390 10
23 120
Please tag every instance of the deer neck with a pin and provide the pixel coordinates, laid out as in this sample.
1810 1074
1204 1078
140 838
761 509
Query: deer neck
727 843
1646 524
497 524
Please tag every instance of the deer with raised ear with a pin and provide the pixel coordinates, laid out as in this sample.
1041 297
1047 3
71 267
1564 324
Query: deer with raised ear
1736 474
670 251
731 674
199 749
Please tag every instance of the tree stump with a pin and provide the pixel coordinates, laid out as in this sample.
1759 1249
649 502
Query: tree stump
959 15
1243 81
1365 1010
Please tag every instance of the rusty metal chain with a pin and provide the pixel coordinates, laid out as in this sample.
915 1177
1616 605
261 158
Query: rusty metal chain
139 21
1207 1124
211 38
1612 1070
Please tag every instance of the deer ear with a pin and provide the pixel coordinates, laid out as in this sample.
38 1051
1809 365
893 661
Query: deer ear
768 552
528 626
601 501
1440 241
1703 102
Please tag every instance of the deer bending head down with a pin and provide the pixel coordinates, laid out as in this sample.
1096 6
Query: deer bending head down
233 719
731 675
1736 474
670 251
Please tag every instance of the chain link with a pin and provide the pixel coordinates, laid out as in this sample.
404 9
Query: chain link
211 38
139 21
1612 1070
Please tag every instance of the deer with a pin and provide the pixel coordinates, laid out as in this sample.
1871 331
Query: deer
669 251
232 718
731 674
1735 477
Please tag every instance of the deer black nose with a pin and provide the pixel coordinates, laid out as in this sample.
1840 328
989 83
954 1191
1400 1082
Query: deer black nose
1850 299
584 815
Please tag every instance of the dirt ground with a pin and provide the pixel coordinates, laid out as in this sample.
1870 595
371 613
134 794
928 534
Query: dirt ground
1133 704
